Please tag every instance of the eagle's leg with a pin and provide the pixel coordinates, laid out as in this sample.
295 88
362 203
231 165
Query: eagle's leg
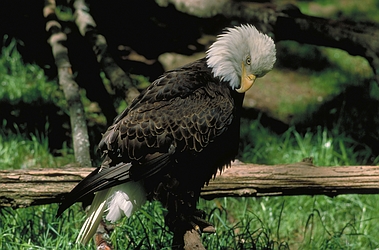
181 204
187 229
179 221
200 224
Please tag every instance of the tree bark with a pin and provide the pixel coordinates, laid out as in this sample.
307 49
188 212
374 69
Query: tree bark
22 188
293 179
57 41
286 22
120 80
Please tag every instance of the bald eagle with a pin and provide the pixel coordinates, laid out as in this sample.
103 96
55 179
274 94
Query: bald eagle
176 135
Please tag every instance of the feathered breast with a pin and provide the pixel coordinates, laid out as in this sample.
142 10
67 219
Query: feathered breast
182 111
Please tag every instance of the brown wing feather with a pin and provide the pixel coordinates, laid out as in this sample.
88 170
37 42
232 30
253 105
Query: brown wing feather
170 124
185 109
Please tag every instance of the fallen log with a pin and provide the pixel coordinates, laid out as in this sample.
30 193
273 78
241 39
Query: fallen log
27 187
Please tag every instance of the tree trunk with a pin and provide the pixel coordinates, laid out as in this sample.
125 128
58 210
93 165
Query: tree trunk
70 88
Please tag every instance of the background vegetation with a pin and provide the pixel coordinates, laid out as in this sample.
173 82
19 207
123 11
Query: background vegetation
326 130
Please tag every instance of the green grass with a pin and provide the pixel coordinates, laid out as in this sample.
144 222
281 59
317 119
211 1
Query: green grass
365 10
322 74
26 83
298 222
19 152
327 147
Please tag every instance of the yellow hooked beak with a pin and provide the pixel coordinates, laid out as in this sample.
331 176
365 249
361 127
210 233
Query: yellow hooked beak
246 81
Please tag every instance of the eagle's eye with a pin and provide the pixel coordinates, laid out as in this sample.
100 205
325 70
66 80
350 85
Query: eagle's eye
248 60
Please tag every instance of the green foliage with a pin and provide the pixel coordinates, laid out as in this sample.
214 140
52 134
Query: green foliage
144 230
322 74
300 222
364 10
38 228
18 152
21 82
26 84
64 13
326 147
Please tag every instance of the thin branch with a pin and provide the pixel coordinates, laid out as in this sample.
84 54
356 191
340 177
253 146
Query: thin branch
87 27
286 22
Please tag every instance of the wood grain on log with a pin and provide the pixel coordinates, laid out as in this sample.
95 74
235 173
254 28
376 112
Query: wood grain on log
293 179
22 188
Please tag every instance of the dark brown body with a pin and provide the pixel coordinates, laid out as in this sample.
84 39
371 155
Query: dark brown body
175 136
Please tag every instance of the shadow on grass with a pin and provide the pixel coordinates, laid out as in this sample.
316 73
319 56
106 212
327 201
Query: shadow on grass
354 112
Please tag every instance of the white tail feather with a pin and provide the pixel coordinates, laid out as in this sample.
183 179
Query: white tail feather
95 215
118 201
125 200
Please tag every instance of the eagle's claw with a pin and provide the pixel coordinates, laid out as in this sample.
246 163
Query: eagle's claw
195 221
